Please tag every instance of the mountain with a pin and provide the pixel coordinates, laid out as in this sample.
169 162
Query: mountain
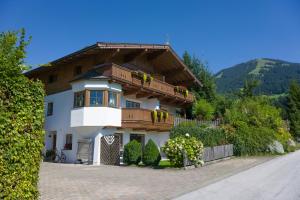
274 75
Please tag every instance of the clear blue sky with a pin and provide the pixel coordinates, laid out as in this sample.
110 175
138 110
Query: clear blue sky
223 33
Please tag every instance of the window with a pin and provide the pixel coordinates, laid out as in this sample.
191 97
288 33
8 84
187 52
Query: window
52 78
78 99
68 145
132 104
77 70
112 99
50 109
96 98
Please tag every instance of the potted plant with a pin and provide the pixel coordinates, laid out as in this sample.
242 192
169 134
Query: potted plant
154 116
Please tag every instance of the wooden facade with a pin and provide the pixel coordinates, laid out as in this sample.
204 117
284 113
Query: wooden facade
159 60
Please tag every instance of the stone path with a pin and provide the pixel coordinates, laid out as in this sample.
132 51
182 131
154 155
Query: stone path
70 181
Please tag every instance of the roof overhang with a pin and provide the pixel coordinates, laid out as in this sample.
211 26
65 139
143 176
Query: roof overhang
133 49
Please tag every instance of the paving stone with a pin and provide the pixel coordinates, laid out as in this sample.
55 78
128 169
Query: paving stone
75 181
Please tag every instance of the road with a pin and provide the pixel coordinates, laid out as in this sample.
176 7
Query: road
277 179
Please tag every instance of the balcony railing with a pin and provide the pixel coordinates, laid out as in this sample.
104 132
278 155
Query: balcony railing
143 119
160 87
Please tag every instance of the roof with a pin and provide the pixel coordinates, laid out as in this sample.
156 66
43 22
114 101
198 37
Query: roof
127 46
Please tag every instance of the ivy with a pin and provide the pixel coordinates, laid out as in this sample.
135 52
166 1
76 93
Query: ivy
21 121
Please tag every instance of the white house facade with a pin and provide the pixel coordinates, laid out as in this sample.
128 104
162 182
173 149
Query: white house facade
109 94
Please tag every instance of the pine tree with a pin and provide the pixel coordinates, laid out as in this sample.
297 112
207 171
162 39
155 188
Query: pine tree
294 109
201 71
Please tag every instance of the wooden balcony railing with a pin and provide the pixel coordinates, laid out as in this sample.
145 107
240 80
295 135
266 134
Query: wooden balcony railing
142 119
126 75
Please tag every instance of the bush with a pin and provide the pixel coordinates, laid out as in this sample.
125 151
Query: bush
50 155
132 152
151 156
203 110
208 136
21 122
174 150
283 136
252 125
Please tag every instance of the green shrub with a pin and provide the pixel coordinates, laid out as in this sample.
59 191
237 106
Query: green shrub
283 136
252 125
208 136
174 150
132 152
50 155
203 110
21 122
151 154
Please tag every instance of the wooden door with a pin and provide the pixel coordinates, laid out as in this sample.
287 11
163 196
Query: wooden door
110 150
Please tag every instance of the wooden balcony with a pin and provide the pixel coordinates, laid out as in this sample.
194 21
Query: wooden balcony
155 87
141 119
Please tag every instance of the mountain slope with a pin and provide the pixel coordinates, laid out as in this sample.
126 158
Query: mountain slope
274 76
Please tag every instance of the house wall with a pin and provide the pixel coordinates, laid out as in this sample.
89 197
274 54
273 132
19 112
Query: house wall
96 116
89 123
146 103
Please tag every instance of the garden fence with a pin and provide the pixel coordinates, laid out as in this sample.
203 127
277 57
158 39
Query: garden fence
214 123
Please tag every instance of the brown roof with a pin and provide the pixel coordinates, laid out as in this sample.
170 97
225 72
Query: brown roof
181 68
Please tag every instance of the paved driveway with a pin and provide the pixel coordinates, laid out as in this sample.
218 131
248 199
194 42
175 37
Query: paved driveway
69 181
278 179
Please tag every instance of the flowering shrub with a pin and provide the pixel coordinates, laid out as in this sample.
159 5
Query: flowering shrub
174 150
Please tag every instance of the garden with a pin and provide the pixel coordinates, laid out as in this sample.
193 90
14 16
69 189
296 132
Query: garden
252 124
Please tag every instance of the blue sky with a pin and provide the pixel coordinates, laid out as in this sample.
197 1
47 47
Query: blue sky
223 33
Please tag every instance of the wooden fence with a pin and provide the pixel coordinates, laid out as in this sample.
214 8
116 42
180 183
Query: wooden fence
211 154
217 152
214 123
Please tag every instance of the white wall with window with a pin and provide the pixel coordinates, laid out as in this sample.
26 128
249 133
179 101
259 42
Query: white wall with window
145 103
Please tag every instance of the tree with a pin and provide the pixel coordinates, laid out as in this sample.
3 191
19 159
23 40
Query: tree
248 89
294 108
203 110
201 71
21 121
151 155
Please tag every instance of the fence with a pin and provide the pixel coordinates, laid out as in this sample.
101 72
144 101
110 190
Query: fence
217 152
214 123
211 153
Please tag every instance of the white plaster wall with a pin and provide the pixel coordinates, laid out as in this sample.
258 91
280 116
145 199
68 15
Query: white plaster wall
170 109
95 84
96 116
146 103
159 138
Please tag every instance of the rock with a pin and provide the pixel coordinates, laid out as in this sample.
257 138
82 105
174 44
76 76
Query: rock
276 147
291 143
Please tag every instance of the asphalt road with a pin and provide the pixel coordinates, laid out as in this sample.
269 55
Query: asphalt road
277 179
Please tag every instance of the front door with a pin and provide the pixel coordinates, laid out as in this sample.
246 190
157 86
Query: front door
54 141
110 150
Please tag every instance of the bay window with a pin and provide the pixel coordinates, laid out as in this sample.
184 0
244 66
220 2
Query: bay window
79 99
96 98
112 99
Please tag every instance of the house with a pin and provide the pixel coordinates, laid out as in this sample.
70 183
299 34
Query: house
103 96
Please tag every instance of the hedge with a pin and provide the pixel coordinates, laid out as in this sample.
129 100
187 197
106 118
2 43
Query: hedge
208 136
21 122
